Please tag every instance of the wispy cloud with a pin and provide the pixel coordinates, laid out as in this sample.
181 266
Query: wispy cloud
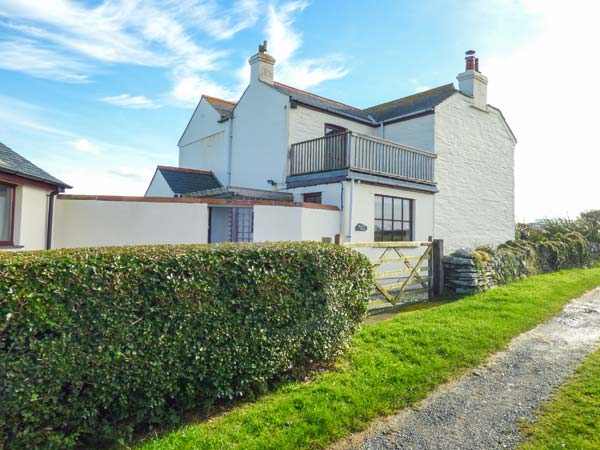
24 55
132 173
131 101
284 43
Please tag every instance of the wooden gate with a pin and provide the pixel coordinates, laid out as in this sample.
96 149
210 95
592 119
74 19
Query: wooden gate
404 270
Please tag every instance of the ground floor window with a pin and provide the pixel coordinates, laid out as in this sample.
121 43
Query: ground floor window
393 218
312 197
7 209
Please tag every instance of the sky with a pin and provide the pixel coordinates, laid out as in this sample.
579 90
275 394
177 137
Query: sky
98 92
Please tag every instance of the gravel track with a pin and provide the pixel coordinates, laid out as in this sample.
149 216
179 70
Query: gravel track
482 409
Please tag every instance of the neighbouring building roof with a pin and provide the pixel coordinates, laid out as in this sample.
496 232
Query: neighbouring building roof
182 180
13 163
420 102
223 107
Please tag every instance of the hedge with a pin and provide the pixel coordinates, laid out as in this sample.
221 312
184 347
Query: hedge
96 343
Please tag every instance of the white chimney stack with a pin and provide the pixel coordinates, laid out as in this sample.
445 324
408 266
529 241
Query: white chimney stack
262 65
472 83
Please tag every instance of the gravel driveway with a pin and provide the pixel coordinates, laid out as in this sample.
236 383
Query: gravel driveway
482 409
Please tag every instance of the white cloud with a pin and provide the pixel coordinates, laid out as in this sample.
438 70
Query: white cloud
84 146
134 174
284 43
547 90
131 101
26 56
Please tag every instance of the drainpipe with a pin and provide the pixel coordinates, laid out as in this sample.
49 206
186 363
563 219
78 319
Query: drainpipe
229 148
52 194
381 130
350 209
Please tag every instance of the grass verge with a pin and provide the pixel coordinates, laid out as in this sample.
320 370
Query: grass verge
572 418
390 365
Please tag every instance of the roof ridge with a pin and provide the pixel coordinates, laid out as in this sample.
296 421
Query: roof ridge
379 105
185 169
318 96
219 99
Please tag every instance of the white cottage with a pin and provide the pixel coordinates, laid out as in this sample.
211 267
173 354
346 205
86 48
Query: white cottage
438 163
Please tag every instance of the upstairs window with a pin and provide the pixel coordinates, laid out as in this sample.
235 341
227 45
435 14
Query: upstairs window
331 129
393 218
7 212
312 197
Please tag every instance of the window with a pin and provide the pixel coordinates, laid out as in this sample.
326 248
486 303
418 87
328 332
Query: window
242 220
7 212
331 129
393 218
312 197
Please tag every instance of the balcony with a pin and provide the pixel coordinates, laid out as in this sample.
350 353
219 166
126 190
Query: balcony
361 153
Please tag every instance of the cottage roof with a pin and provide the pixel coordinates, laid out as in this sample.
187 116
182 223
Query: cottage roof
13 163
223 107
420 102
182 180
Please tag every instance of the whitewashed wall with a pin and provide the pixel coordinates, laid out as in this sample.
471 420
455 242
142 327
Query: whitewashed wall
475 175
203 144
363 210
289 223
31 216
307 123
331 194
89 223
159 187
260 138
417 132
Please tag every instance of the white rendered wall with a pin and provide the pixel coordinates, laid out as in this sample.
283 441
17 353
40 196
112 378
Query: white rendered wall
31 216
260 138
331 194
289 223
417 132
203 143
159 187
475 175
307 123
363 210
94 223
209 153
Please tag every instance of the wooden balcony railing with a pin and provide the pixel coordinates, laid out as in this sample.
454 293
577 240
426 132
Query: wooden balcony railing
361 153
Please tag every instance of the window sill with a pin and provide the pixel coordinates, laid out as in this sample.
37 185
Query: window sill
11 247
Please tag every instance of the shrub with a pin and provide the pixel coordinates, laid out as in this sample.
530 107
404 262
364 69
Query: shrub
96 342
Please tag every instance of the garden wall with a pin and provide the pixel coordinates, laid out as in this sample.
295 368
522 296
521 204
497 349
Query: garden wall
471 271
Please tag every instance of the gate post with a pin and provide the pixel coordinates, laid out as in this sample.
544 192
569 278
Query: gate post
438 266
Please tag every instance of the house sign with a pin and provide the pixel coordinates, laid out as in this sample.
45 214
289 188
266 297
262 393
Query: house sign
360 227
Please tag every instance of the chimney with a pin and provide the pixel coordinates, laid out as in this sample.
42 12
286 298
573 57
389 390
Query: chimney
261 65
472 83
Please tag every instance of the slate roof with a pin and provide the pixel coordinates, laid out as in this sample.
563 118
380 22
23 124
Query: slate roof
182 180
223 107
412 104
322 103
13 163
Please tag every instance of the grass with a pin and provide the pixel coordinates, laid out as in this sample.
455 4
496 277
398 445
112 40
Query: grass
572 419
390 365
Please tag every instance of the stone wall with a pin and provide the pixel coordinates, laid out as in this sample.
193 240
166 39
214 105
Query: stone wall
470 271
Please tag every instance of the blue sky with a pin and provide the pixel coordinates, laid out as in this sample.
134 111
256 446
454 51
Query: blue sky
98 93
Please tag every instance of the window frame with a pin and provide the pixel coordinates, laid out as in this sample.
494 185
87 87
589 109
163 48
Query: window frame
11 236
393 218
337 128
307 195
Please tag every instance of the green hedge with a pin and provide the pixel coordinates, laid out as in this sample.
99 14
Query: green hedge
97 342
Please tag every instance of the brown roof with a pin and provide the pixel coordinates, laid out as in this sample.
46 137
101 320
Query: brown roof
224 107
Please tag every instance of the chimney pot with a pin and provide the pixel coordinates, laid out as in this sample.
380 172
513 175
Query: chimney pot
470 60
